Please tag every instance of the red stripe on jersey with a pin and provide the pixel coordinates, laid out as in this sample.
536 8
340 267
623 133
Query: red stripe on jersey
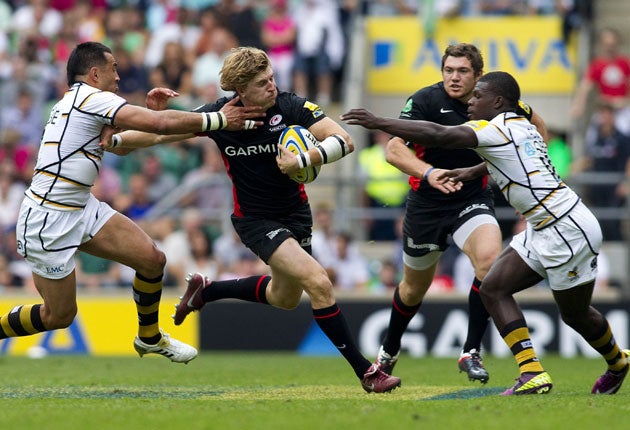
237 206
413 181
303 196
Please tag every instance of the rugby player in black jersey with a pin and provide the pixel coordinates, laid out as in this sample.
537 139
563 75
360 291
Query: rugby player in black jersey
271 213
437 209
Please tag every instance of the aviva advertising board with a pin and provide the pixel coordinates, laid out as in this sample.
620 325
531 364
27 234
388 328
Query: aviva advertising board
103 326
402 59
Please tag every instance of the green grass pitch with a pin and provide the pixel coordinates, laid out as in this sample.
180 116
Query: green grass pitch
286 391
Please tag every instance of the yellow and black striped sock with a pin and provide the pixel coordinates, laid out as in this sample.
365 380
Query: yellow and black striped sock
516 336
605 344
147 294
22 320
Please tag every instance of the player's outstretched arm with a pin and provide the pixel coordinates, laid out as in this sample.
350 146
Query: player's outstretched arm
464 173
421 132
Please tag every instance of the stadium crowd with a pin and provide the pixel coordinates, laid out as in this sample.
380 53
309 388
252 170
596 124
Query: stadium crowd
181 44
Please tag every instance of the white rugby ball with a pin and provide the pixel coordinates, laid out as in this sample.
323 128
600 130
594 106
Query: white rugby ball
298 139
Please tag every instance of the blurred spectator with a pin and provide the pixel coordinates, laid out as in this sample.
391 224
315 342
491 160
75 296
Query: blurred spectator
89 19
323 241
542 7
29 70
602 281
240 19
279 36
216 193
136 202
391 7
18 268
37 18
124 28
574 14
107 185
159 183
161 12
134 80
21 156
94 273
320 48
502 7
205 72
608 76
171 31
247 264
5 16
177 244
560 153
443 282
228 250
385 186
349 271
11 195
201 258
173 71
208 22
6 279
386 278
606 150
25 117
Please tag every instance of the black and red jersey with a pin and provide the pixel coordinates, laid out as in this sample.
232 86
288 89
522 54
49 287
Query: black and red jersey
259 188
433 104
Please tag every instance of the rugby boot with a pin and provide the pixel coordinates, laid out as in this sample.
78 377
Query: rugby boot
471 363
173 349
192 299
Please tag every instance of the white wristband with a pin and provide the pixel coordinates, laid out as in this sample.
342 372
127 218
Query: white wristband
116 140
213 121
304 159
333 148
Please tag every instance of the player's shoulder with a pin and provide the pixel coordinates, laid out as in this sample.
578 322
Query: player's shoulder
430 93
88 98
298 109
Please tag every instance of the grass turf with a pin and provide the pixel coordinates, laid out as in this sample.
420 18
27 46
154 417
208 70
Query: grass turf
285 391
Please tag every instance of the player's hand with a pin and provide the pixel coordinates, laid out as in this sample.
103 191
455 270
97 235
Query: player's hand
440 180
107 132
464 174
241 117
287 161
157 98
362 117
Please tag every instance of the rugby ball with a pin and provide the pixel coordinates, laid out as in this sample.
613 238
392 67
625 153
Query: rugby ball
298 139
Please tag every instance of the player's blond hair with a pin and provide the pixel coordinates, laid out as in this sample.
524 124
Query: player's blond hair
241 66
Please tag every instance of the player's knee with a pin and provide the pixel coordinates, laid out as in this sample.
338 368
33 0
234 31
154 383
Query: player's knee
319 288
483 264
412 293
153 264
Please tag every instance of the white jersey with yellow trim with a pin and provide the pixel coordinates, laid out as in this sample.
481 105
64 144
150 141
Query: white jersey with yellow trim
69 157
517 159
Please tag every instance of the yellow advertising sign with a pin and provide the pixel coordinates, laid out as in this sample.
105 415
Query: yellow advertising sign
403 60
104 325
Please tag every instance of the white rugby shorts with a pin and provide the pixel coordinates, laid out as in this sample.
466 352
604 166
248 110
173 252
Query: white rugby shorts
564 253
48 239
